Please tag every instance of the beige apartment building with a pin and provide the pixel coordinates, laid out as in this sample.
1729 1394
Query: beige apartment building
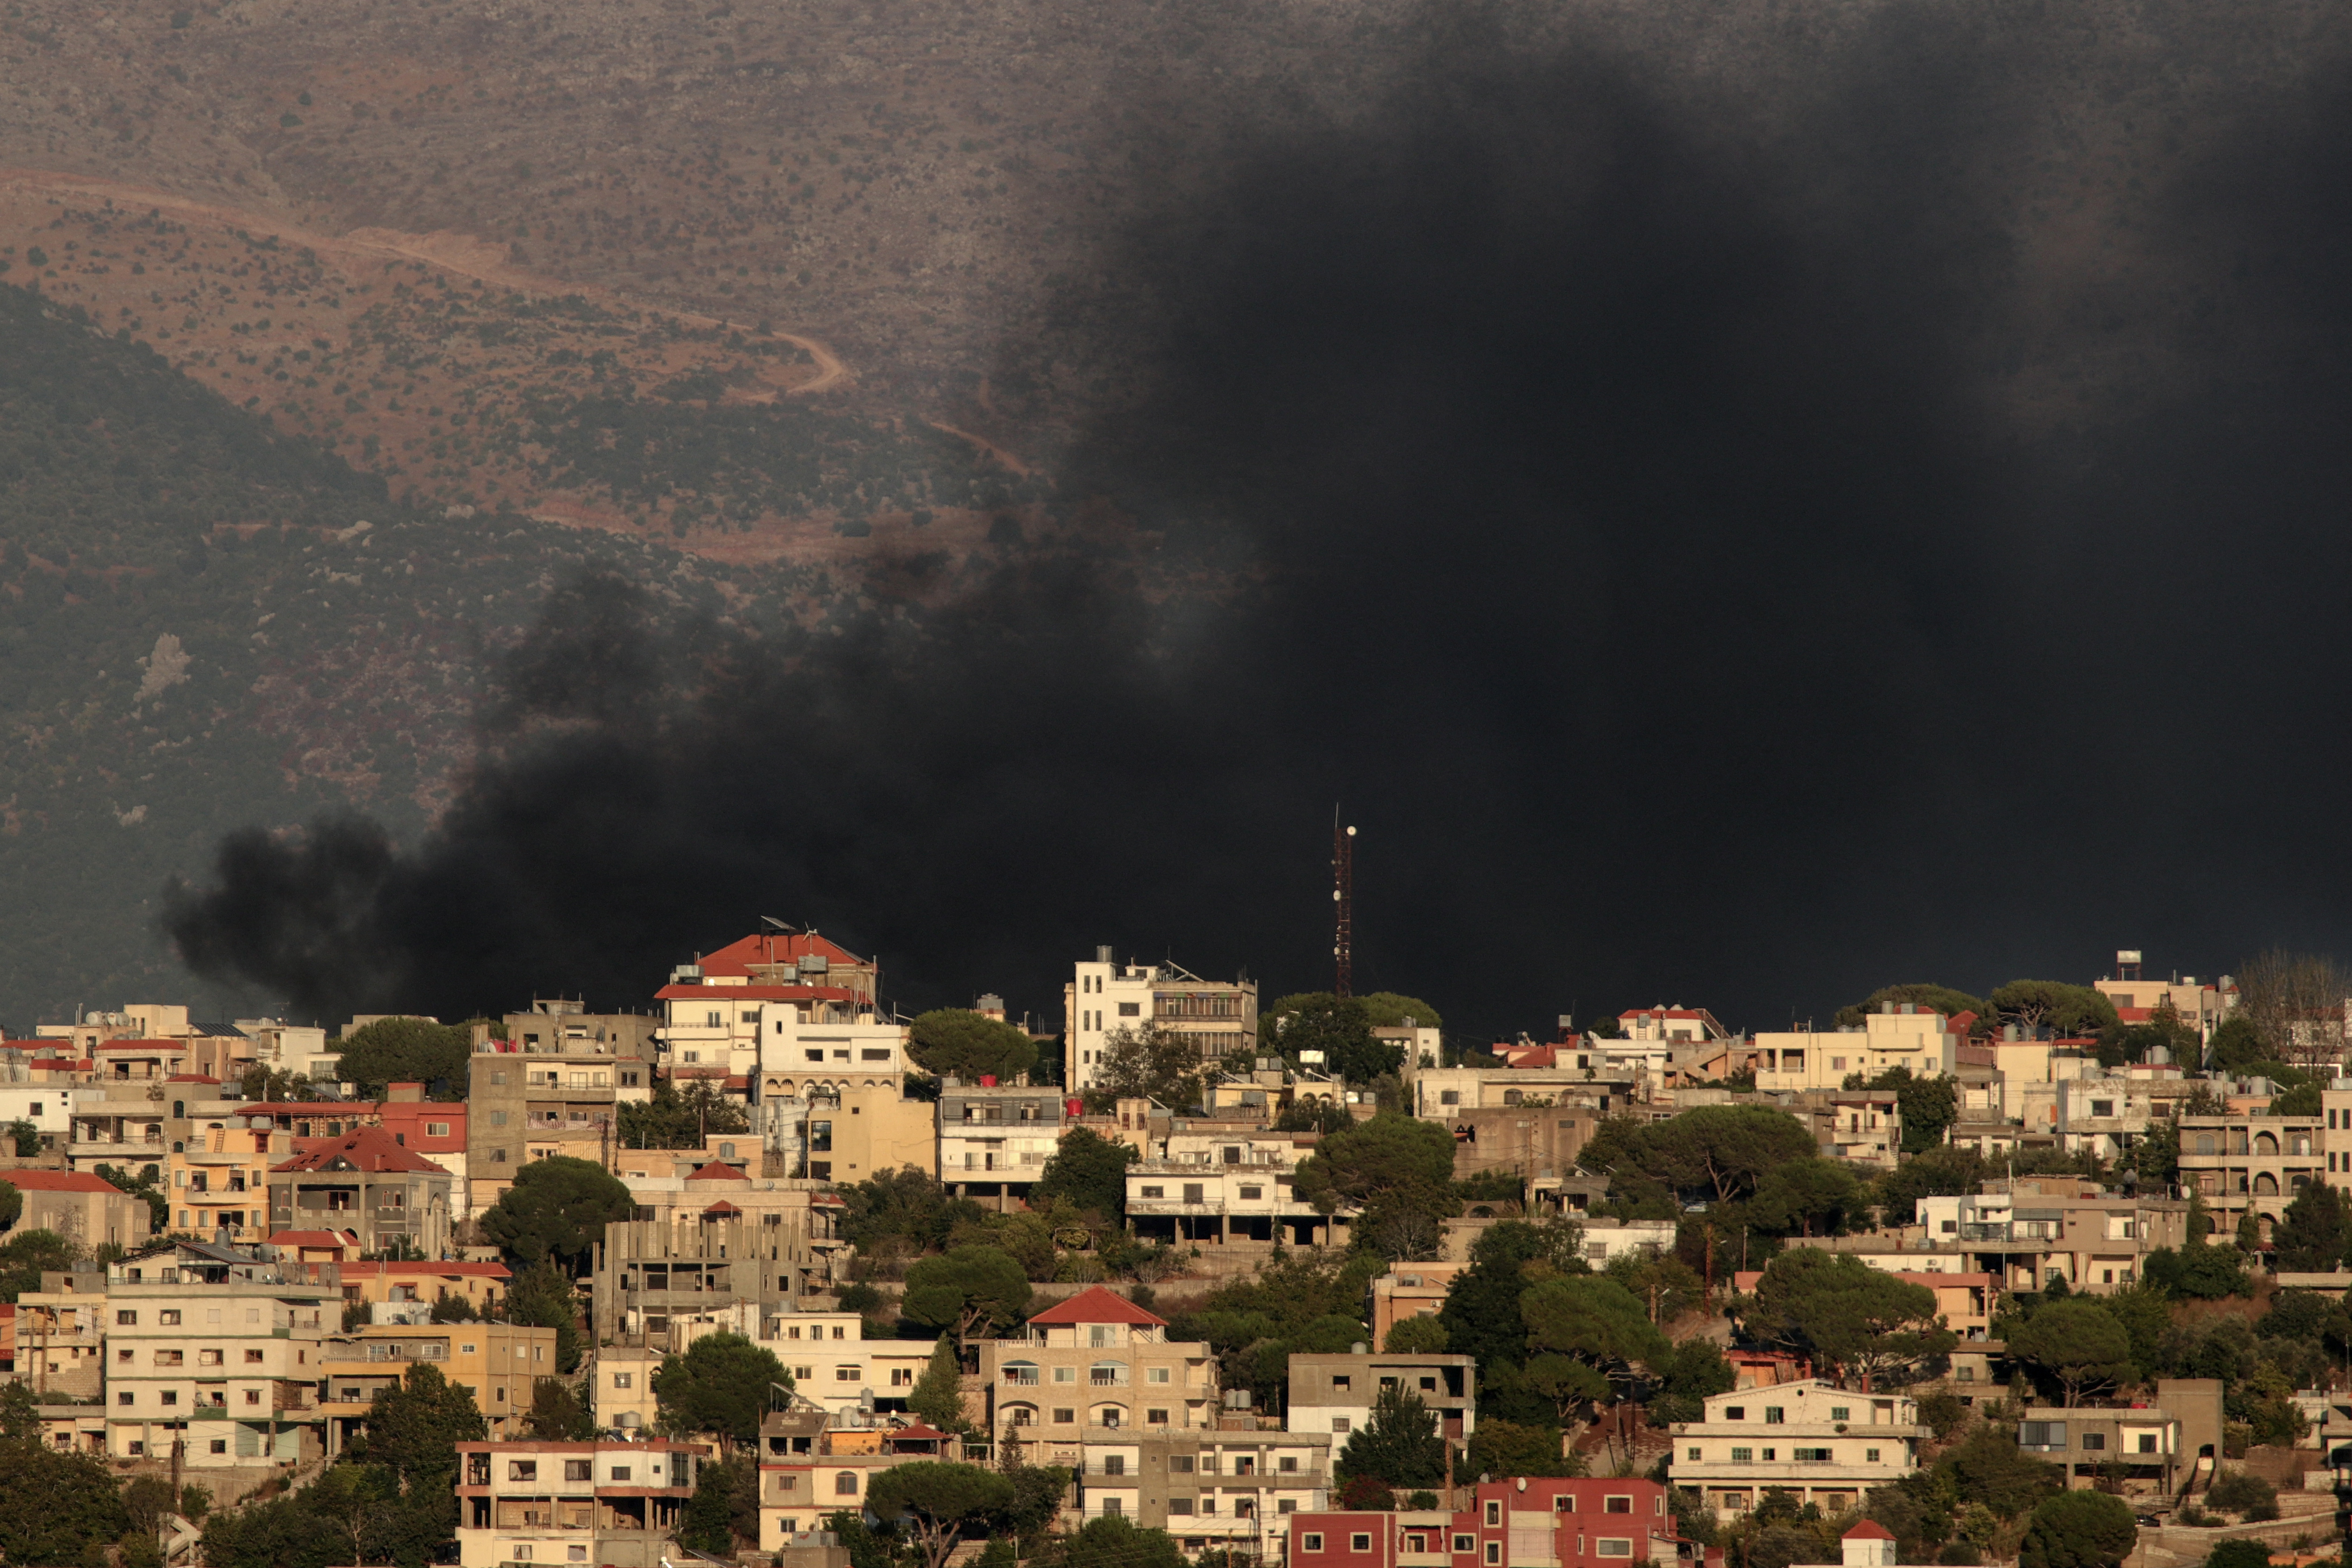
1235 1489
229 1369
610 1504
856 1131
2158 1446
2253 1164
559 1096
1901 1036
1818 1443
994 1139
621 1387
60 1334
815 1462
218 1181
81 1207
498 1364
1096 1362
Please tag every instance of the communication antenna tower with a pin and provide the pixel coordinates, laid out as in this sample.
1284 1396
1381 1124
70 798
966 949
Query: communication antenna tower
1343 906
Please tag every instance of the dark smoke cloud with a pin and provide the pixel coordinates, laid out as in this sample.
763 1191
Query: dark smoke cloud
1738 533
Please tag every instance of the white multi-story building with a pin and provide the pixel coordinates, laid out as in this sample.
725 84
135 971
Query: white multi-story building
1218 1017
1811 1439
777 1011
231 1368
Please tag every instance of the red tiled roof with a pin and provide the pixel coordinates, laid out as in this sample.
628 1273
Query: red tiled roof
1096 1305
56 1182
722 1206
717 1170
369 1148
1868 1530
773 947
916 1432
314 1238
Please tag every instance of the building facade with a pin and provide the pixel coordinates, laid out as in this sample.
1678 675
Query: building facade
1818 1443
592 1503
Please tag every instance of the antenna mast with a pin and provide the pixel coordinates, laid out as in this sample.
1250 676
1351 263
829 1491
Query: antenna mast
1343 906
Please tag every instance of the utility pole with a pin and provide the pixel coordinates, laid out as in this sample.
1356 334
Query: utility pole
1343 900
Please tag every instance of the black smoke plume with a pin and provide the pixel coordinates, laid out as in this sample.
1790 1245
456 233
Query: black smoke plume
1740 516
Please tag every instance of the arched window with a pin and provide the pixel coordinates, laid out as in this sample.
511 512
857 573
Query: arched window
2267 1143
846 1484
2266 1184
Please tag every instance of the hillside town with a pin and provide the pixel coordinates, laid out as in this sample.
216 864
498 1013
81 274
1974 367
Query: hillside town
767 1273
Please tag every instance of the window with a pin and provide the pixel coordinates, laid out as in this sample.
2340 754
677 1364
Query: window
522 1469
1065 1417
1493 1514
1195 1193
168 1358
1810 1456
1870 1456
2148 1442
126 1319
252 1356
1155 1192
1617 1505
1130 1009
1310 1543
846 1484
1114 1464
1734 1413
123 1398
220 1445
1155 1418
1253 1192
1841 1413
2095 1441
1113 1507
1155 1374
620 1379
437 1129
169 1318
1466 1543
1495 1553
576 1470
846 1373
1616 1546
1180 1505
1770 1456
1692 1455
1180 1462
1342 1382
1359 1542
2103 1108
1966 1374
1564 1503
171 1397
1743 1456
575 1554
1775 1414
1338 1426
2042 1434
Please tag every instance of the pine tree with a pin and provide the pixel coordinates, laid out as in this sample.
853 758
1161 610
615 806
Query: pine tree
938 1398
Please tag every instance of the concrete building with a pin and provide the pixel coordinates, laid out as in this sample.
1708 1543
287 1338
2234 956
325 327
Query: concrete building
759 1005
1676 1025
1863 1127
620 1386
1526 1140
616 1504
1925 1042
229 1368
1818 1443
2107 1116
301 1050
118 1124
2048 1225
651 1275
1215 1188
855 1132
1233 1489
366 1183
2201 1005
995 1139
1410 1290
217 1180
79 1207
562 1097
1336 1393
2157 1446
815 1462
60 1334
1094 1361
2252 1164
1219 1018
1444 1093
498 1364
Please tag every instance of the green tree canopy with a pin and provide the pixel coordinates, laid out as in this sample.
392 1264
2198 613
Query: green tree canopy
2078 1530
412 1426
56 1507
1391 1153
1340 1027
1090 1172
938 1396
932 1503
969 1045
556 1414
1399 1445
1481 1314
1694 1370
1926 1106
2077 1342
2316 1231
1512 1449
2073 1012
558 1208
1807 1198
406 1050
542 1296
1718 1153
1847 1315
680 1118
1942 1171
1391 1010
1942 999
1112 1542
1595 1319
1416 1336
27 1255
1150 1063
11 1205
967 1289
2236 1044
707 1523
721 1386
